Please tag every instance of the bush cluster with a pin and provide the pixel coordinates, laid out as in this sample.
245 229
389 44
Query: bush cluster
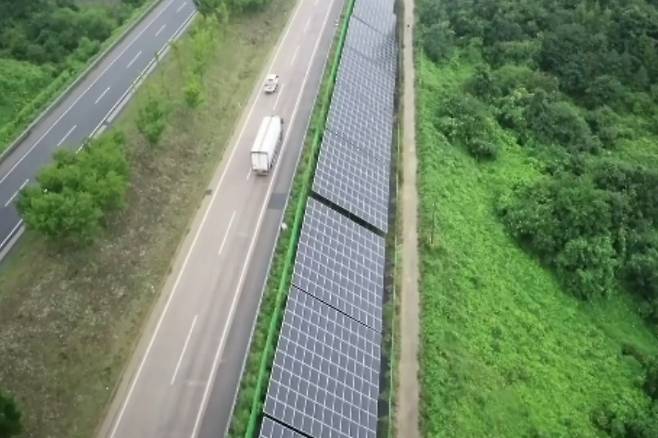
73 195
594 228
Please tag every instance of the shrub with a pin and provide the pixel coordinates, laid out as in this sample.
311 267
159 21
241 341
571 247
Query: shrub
464 120
482 149
588 265
10 417
438 40
152 117
74 194
558 122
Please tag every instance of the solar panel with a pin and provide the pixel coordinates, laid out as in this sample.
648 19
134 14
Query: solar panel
272 429
325 376
355 88
358 68
379 48
353 181
376 13
365 125
341 263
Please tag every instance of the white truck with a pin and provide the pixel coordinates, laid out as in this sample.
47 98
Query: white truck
267 144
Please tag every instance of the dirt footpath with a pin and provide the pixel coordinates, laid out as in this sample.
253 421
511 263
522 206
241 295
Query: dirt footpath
408 394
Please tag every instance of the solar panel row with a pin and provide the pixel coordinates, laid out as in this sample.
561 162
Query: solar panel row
353 172
325 376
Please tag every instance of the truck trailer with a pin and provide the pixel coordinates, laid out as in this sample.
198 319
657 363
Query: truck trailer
267 144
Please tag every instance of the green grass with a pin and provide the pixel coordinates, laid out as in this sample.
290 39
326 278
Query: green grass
505 351
70 321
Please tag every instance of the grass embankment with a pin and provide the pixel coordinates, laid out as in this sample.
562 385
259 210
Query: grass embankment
505 350
71 320
28 89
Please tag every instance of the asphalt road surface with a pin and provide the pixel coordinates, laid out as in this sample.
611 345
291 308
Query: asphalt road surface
184 375
86 109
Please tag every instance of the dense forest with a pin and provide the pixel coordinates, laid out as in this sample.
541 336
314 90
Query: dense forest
556 103
45 43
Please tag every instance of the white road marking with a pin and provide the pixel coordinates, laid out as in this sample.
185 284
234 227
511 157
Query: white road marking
308 21
228 231
11 233
182 353
248 175
101 95
66 135
160 30
276 100
180 8
22 186
29 151
236 296
294 56
132 61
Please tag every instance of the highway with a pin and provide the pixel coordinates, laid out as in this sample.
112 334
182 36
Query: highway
183 377
89 106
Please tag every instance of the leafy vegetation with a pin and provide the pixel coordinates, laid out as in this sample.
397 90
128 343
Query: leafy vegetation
74 194
10 417
71 316
43 45
544 248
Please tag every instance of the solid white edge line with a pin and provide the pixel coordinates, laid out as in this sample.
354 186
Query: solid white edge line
226 234
66 135
182 353
29 151
229 323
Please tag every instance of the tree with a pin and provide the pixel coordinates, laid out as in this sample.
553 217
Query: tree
152 117
75 193
10 417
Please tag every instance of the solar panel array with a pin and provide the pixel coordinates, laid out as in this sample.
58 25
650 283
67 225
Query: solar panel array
353 170
341 263
325 376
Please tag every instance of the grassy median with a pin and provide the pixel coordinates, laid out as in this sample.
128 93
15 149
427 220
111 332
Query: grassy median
70 320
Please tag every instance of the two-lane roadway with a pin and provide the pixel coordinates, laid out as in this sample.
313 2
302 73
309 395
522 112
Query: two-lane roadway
84 111
184 375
